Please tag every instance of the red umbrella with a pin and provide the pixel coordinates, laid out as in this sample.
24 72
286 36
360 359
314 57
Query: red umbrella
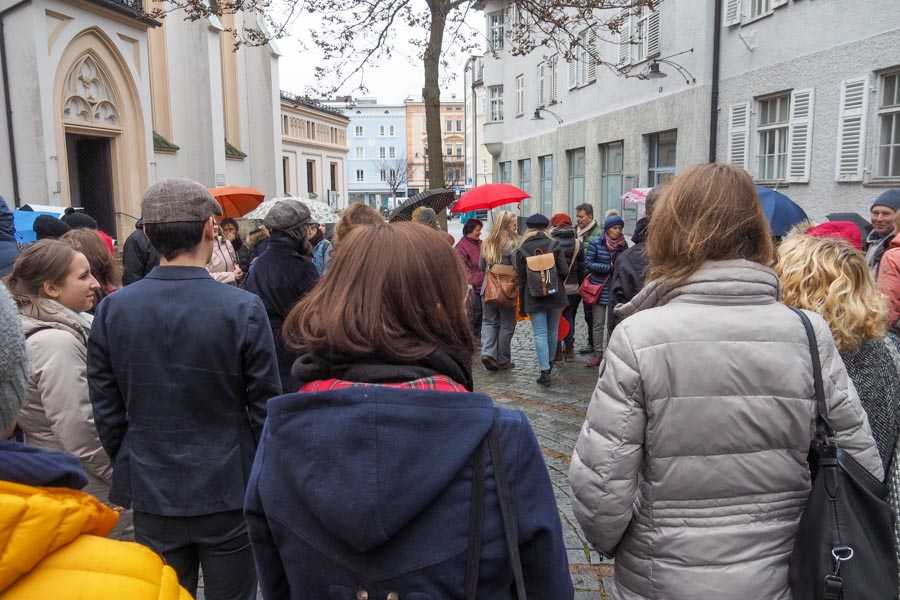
488 196
237 201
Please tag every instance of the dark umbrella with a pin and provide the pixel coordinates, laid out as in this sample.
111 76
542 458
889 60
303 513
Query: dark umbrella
438 199
781 212
860 221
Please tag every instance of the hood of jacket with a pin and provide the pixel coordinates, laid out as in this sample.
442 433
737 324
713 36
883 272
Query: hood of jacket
640 231
719 282
537 239
36 521
44 313
373 458
7 227
566 232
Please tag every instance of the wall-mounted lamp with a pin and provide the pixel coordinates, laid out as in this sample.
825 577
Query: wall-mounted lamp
654 71
537 115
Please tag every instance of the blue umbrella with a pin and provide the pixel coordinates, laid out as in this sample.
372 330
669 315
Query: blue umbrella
24 222
781 212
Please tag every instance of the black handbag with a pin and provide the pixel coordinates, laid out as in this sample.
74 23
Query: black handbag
476 517
844 549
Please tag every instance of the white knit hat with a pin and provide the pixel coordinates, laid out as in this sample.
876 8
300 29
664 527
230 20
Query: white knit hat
13 361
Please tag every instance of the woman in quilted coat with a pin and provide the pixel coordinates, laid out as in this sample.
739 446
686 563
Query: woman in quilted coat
692 464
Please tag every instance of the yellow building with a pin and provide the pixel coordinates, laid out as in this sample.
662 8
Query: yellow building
453 150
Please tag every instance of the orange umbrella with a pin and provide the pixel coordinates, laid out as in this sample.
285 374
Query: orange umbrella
237 201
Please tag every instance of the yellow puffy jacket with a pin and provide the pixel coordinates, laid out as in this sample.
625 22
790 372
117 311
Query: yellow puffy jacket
51 547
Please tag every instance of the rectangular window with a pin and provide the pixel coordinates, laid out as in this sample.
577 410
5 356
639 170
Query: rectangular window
639 42
391 129
505 173
545 164
612 162
284 125
392 152
759 8
358 131
525 182
383 175
576 178
889 126
360 175
497 22
772 128
360 152
661 151
496 96
520 95
459 125
311 176
334 135
554 81
381 131
393 175
382 152
286 173
449 150
459 151
332 171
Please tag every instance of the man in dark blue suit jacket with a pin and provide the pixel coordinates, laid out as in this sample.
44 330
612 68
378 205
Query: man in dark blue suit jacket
180 368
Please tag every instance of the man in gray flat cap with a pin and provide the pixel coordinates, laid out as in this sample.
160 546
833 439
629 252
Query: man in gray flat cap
180 368
284 273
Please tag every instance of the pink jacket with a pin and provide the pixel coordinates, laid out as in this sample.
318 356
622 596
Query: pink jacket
889 280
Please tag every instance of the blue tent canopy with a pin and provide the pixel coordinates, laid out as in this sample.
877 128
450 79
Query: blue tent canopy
24 222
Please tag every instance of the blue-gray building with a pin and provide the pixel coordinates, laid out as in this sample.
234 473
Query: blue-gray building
376 164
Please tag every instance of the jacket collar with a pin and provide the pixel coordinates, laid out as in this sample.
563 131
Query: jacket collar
174 273
43 313
587 230
721 282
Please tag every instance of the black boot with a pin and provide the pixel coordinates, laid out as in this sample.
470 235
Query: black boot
544 379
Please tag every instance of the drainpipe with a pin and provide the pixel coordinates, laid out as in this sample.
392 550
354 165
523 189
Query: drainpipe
714 95
11 138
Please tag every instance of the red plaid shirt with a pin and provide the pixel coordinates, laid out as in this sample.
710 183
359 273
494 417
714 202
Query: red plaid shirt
438 383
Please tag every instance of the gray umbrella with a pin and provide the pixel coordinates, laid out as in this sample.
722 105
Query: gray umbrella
438 199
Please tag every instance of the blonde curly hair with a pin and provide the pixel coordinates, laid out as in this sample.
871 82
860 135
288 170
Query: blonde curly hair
830 277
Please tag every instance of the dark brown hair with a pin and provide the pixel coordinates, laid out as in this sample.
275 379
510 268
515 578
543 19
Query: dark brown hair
396 290
45 260
353 215
103 267
709 212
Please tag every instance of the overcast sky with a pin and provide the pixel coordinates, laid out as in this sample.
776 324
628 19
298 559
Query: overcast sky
389 81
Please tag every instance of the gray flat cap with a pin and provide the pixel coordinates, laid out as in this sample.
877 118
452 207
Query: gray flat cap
178 201
286 214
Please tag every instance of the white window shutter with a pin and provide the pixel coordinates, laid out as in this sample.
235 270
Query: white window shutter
732 12
593 57
573 72
800 135
653 40
625 39
852 129
739 134
554 84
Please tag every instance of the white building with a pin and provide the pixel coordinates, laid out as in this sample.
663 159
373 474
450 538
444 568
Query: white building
800 83
479 163
104 102
314 151
376 166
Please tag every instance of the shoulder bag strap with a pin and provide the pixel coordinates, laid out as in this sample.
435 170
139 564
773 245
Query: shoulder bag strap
822 424
506 510
476 522
574 257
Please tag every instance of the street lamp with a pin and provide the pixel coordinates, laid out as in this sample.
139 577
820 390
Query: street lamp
537 115
655 72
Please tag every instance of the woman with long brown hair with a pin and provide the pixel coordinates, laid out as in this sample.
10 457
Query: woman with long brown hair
498 324
364 483
691 465
103 265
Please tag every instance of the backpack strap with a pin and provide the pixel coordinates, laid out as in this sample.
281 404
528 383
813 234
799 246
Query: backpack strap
574 257
476 523
510 526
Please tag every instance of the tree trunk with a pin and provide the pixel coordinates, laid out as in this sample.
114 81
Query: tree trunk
431 93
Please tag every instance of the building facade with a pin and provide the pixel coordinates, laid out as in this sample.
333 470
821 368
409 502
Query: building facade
376 164
479 163
788 108
453 147
313 151
105 101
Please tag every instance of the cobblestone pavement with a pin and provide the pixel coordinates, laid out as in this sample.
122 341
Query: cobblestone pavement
556 414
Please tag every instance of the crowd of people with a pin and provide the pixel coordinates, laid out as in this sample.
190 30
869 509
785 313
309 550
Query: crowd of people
294 411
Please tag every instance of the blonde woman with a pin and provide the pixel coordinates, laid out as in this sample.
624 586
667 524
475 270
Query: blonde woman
830 277
498 323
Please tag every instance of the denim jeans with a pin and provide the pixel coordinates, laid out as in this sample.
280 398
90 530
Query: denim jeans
544 328
218 543
497 328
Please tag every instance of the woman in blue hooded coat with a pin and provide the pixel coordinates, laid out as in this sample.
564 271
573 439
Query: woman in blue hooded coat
365 482
600 262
